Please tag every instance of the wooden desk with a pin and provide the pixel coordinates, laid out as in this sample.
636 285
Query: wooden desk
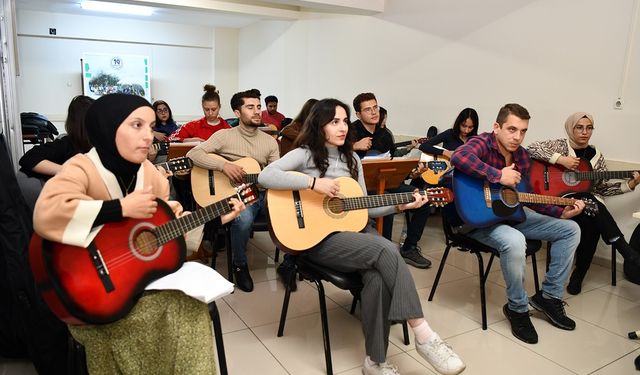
177 149
382 174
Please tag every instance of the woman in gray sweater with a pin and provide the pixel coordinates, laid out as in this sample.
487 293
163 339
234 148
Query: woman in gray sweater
324 153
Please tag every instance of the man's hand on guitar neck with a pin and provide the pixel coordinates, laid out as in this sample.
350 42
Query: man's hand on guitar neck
234 172
634 181
571 211
510 177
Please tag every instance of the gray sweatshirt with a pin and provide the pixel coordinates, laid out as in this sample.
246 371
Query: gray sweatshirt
275 176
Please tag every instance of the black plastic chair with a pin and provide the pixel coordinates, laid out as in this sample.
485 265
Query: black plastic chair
466 243
351 281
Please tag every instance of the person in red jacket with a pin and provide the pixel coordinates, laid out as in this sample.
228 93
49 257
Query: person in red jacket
200 130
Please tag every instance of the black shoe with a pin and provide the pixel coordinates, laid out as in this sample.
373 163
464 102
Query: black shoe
574 287
413 256
243 278
287 273
553 308
521 326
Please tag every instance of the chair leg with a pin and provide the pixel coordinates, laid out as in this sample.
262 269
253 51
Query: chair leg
227 244
548 255
217 331
440 269
534 265
325 328
614 265
405 332
277 255
285 305
354 302
483 279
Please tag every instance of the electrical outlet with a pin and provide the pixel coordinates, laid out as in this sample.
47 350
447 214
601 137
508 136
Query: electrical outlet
52 31
618 104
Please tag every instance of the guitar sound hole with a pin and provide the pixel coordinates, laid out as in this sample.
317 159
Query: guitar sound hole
335 206
146 243
569 178
509 197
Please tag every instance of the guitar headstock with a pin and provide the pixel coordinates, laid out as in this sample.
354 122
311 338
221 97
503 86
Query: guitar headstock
161 146
422 140
247 193
590 207
437 165
179 164
439 196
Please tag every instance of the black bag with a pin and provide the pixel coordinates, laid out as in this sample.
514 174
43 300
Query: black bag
38 125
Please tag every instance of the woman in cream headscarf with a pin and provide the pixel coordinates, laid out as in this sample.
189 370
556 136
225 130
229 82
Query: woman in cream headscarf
568 152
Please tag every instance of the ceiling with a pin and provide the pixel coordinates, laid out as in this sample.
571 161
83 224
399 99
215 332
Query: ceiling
215 13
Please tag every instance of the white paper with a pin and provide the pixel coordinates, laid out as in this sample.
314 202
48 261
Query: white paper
383 156
196 280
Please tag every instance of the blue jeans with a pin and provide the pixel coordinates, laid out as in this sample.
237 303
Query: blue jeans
510 242
241 230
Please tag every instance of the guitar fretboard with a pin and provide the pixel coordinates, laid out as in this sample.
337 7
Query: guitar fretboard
603 175
545 199
372 201
176 228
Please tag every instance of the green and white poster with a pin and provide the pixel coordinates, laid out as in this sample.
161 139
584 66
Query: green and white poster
111 73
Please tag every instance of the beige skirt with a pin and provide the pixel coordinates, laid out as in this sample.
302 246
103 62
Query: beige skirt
167 332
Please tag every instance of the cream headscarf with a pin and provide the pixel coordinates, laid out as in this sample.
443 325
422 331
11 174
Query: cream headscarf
571 122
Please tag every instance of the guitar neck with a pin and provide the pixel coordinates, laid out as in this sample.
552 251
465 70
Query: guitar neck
603 175
251 178
545 199
176 228
372 201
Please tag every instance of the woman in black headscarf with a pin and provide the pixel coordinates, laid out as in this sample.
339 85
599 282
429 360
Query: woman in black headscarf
166 331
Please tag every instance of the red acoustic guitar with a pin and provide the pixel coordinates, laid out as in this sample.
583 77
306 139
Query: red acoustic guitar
554 179
101 283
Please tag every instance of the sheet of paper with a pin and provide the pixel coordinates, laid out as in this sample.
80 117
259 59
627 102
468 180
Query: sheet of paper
383 156
196 280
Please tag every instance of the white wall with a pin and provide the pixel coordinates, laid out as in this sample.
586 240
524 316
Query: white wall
426 60
181 59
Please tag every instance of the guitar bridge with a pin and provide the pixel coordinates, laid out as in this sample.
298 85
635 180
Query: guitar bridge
487 194
101 268
297 204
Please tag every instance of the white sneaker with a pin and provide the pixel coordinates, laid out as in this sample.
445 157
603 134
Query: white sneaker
373 368
440 355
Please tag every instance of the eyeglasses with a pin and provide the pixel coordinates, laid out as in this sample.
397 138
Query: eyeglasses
582 128
162 110
368 110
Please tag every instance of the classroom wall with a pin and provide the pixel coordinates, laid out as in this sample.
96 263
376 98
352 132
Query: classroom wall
182 59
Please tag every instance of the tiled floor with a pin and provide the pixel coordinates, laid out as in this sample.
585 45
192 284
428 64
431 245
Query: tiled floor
599 345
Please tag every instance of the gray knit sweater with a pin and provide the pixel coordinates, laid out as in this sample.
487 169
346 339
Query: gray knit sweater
275 175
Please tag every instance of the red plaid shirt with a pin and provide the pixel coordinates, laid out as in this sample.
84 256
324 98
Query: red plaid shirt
481 158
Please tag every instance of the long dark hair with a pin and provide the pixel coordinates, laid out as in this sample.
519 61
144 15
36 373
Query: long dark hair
313 137
75 125
462 117
304 112
156 104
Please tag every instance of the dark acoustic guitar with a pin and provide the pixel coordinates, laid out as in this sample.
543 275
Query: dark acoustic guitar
481 203
554 179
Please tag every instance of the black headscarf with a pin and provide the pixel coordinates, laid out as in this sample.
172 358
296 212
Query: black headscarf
102 121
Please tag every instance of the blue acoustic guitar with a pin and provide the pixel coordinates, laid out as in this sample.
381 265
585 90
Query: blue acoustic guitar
481 203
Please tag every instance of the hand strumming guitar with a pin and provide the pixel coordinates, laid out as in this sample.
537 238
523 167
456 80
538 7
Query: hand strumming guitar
568 162
140 204
571 211
363 145
326 186
510 177
234 172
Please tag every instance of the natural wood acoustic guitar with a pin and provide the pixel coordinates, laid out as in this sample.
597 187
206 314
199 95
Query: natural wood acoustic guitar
211 186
